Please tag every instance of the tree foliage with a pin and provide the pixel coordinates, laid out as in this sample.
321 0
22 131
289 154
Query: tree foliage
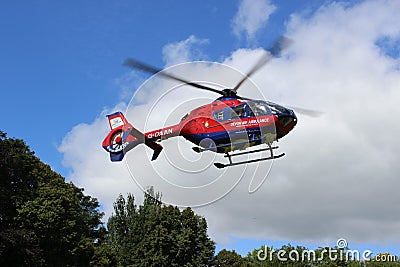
229 258
154 234
44 221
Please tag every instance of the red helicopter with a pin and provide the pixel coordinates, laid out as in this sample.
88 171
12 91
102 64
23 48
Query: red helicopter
228 124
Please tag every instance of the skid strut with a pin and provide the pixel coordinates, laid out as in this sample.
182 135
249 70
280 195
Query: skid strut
229 156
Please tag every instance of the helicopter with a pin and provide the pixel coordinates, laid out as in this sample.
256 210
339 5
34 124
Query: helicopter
227 125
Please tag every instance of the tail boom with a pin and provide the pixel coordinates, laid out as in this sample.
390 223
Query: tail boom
163 133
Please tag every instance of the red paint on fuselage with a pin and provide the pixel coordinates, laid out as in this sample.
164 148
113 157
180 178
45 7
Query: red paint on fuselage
202 121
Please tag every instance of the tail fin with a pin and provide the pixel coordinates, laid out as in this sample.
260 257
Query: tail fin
124 137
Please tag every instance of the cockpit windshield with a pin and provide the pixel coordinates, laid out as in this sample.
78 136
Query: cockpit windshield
276 109
258 109
249 109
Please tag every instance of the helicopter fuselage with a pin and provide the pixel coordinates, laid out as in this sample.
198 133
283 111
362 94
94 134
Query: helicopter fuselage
229 124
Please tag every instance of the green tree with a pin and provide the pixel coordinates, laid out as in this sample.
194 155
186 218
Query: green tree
44 221
65 221
154 234
226 258
18 184
18 181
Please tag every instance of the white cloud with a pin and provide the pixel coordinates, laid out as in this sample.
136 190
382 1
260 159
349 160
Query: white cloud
251 17
184 51
339 175
91 166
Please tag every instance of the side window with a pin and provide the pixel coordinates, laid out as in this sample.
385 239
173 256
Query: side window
230 113
219 115
238 112
258 109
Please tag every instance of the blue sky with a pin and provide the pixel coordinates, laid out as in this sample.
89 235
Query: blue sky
61 59
61 69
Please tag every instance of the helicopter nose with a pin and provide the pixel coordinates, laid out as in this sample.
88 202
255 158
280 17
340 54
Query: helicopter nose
286 123
293 116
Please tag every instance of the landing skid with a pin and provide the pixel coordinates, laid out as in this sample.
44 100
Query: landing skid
229 156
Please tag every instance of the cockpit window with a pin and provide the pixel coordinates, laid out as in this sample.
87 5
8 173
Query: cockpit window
276 109
249 109
238 112
230 113
219 115
258 109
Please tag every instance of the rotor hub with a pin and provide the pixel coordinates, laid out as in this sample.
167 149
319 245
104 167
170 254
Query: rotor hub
229 93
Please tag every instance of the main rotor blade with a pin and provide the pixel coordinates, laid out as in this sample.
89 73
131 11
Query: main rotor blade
307 112
277 47
135 64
